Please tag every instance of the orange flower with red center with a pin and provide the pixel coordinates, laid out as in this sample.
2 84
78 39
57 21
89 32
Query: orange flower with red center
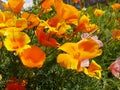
32 57
32 19
45 39
98 12
15 5
116 6
76 53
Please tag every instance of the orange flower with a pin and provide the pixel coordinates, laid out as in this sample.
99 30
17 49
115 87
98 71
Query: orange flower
115 6
76 1
65 11
47 4
16 40
85 25
94 70
32 19
15 5
116 34
13 84
0 44
32 57
45 39
77 53
98 12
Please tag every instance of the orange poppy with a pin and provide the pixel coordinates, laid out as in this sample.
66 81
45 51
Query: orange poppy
98 12
32 57
15 5
77 53
116 34
16 40
0 44
116 6
65 11
32 19
45 39
85 25
13 84
94 70
76 1
47 4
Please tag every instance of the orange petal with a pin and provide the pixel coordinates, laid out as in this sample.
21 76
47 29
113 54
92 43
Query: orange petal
44 39
32 19
16 5
67 61
88 49
66 12
32 57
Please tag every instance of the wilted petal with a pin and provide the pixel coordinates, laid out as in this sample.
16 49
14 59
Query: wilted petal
115 68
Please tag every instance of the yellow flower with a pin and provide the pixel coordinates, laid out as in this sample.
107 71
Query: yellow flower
98 12
94 70
16 40
76 53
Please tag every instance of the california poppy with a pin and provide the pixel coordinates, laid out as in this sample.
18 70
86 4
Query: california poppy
15 5
32 19
16 40
94 70
76 53
32 57
13 84
45 39
115 6
98 12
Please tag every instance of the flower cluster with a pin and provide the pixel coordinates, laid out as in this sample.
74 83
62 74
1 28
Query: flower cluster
71 32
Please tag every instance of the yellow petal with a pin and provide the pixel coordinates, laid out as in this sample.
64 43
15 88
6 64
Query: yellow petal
67 61
70 48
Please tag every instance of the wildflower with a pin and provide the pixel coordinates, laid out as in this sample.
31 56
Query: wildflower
115 6
94 70
45 39
47 4
98 12
77 54
65 11
15 5
32 19
76 1
32 57
13 84
116 34
16 40
85 25
115 68
0 44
